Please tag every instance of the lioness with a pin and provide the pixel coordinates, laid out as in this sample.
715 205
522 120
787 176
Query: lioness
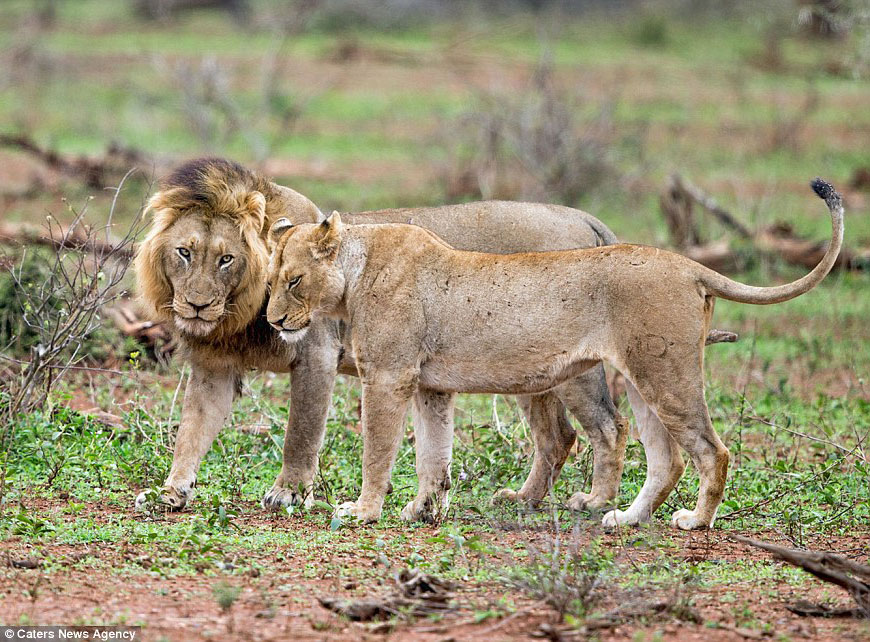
425 317
202 268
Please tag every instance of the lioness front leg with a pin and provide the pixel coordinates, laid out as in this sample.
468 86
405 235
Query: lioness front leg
312 381
383 416
433 432
208 400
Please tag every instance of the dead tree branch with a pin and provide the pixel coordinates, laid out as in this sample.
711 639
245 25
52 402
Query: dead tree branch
78 238
843 572
677 203
96 173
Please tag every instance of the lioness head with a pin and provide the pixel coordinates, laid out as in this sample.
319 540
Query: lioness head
203 265
303 275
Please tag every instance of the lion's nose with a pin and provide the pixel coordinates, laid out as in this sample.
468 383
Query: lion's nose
279 323
197 307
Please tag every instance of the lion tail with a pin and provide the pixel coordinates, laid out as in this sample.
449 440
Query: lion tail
719 285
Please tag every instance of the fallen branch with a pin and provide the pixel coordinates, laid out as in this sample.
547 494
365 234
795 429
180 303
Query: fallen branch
80 238
153 335
677 203
852 576
416 594
96 173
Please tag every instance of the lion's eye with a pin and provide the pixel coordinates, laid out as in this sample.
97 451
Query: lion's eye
183 252
225 260
292 283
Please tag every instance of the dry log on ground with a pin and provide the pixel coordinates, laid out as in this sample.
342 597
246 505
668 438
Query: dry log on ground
416 594
852 576
153 335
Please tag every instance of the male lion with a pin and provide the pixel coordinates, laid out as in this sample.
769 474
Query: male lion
427 318
202 268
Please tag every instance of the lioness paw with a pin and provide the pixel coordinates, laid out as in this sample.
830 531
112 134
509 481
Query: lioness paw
619 518
429 509
351 511
688 520
169 497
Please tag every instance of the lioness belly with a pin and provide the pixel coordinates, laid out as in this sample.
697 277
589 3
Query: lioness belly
487 374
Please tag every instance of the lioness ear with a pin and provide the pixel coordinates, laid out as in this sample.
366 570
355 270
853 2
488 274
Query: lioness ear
328 237
277 230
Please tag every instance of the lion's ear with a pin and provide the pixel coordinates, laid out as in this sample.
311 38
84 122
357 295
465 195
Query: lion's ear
277 231
328 237
175 198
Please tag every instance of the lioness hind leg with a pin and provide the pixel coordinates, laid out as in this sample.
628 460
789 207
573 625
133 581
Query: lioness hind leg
588 399
553 437
676 395
433 431
664 465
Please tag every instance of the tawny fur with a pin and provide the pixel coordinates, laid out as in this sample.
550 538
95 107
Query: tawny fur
425 317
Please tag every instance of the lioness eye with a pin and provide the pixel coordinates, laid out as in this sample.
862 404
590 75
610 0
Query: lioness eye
225 260
293 282
184 253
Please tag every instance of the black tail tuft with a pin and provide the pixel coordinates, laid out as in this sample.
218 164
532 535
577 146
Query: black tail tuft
827 192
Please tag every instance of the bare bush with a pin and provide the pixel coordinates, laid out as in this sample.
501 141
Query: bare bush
60 295
535 147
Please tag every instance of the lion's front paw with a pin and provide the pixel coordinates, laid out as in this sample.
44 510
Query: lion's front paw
619 518
354 511
278 497
588 501
688 520
169 497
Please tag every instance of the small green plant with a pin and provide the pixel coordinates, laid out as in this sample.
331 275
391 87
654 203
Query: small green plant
219 514
226 595
27 525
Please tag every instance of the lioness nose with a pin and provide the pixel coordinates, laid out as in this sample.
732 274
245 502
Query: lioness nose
279 323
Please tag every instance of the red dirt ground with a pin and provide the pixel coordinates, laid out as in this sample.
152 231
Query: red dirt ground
81 583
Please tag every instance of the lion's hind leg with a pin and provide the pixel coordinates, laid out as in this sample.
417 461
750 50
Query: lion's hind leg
553 437
433 441
588 399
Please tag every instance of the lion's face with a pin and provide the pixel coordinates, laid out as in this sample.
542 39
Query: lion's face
204 264
304 277
205 271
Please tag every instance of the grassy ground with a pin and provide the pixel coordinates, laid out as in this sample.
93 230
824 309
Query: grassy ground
373 129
